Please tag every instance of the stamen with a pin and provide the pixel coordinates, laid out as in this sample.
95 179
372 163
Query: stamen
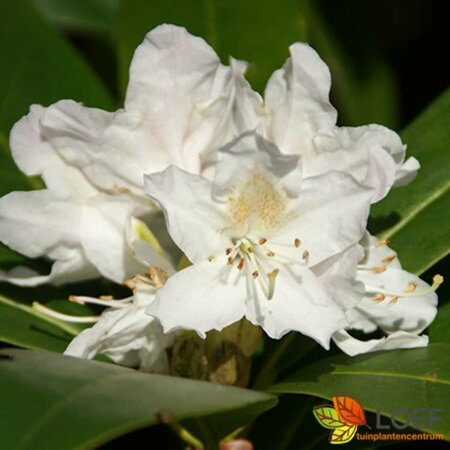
437 281
64 317
228 250
231 260
388 259
241 263
379 269
378 298
270 253
382 242
272 277
106 297
297 242
255 274
105 300
305 254
262 241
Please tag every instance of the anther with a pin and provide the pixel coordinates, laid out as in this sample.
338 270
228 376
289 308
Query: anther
411 287
305 254
230 260
393 300
272 277
255 274
241 264
297 242
382 242
270 253
262 241
379 269
378 298
250 249
211 258
388 259
106 297
228 251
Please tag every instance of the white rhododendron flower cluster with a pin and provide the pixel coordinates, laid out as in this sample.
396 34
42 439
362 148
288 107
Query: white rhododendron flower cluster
266 199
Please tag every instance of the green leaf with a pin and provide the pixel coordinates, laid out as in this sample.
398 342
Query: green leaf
22 326
71 403
258 31
86 15
39 66
418 213
418 378
327 416
439 330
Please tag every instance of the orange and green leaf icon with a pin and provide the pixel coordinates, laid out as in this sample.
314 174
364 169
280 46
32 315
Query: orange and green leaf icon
349 410
343 434
328 417
343 418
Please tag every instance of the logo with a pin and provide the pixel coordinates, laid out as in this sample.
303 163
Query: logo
343 418
345 415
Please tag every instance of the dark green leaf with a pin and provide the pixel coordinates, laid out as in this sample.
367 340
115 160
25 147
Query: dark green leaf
38 66
439 330
418 378
70 403
86 15
418 214
21 326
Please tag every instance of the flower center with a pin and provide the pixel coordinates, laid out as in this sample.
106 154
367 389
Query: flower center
256 203
256 259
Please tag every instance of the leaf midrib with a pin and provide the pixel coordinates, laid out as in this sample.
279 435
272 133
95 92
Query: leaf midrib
439 192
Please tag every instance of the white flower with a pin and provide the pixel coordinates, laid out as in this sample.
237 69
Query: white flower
252 236
397 302
298 117
180 103
123 332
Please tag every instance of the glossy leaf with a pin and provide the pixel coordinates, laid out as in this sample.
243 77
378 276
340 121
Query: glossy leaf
21 326
417 378
343 434
88 403
439 330
349 410
328 417
413 218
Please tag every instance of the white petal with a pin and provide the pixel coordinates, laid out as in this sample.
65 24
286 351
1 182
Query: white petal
125 335
331 215
299 303
200 298
194 220
75 268
36 154
104 236
39 223
297 101
407 172
250 152
184 100
397 340
412 314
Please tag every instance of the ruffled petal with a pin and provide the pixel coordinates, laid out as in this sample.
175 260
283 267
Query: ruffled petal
128 336
248 154
195 222
297 101
394 341
202 297
104 223
329 215
299 303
